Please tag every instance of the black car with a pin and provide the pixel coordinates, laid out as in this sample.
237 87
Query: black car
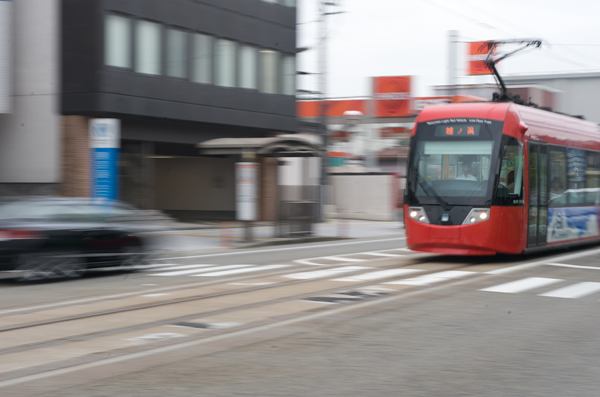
50 237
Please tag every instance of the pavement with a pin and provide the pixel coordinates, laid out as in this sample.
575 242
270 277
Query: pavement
186 236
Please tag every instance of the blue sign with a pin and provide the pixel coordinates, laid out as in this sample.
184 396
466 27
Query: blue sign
572 223
104 144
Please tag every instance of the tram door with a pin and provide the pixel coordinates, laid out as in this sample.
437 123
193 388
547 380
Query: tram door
538 196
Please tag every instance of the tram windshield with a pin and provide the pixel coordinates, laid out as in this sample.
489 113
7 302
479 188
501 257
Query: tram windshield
452 162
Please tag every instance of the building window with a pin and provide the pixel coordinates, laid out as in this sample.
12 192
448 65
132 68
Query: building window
147 47
248 67
202 59
288 77
176 53
225 62
269 71
117 41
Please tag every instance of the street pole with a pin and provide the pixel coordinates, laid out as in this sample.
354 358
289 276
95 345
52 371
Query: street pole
322 70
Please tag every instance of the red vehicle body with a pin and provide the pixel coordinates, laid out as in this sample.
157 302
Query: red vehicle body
489 178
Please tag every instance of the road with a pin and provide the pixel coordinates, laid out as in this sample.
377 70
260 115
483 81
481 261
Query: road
360 317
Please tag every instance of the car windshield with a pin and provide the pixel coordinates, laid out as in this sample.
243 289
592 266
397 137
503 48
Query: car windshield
452 162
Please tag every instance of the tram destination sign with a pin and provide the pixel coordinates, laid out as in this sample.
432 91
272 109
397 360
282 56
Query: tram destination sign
458 127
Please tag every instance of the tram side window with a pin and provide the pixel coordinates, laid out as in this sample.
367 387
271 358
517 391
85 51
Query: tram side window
576 176
510 180
592 178
558 178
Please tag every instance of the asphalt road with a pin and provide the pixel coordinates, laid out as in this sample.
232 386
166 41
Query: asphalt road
511 328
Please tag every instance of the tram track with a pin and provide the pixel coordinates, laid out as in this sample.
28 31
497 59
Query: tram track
176 319
119 331
25 347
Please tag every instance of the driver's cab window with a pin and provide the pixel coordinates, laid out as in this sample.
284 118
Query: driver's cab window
510 181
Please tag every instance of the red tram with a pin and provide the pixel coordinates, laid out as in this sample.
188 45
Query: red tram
498 177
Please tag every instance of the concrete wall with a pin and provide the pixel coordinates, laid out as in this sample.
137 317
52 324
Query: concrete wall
30 135
363 196
199 187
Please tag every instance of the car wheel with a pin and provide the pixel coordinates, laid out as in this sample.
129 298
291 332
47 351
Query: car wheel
68 265
33 267
133 256
42 266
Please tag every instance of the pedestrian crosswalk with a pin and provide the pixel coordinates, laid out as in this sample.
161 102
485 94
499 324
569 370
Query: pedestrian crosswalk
355 268
535 284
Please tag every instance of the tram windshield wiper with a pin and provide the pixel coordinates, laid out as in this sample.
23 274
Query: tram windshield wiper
427 188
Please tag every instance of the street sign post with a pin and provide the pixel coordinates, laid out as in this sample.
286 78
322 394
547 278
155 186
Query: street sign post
246 194
105 139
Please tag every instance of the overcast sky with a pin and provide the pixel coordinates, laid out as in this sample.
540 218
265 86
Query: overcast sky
410 37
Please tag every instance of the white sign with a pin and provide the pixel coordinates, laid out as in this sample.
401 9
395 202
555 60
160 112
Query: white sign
105 133
246 191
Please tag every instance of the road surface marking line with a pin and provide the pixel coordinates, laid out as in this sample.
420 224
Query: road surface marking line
433 278
574 291
247 270
309 262
378 254
378 275
153 295
325 273
543 262
573 266
288 248
194 271
173 267
341 258
522 285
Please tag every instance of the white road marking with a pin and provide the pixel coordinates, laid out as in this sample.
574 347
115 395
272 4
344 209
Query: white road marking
309 262
432 278
543 262
325 272
573 266
195 271
153 295
342 259
378 254
574 291
265 283
378 275
174 267
247 270
155 337
525 284
288 248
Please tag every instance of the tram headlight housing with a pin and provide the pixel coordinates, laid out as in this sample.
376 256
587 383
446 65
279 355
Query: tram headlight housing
418 214
477 215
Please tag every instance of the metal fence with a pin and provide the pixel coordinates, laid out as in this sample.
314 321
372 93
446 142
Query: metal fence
296 218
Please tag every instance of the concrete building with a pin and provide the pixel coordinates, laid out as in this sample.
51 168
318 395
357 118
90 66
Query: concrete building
175 73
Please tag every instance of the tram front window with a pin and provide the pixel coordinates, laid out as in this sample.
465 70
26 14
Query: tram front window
453 162
454 169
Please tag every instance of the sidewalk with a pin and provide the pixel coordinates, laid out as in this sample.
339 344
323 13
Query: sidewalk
179 236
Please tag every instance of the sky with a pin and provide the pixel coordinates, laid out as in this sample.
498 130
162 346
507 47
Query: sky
410 37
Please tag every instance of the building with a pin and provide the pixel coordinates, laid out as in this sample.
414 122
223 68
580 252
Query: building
175 73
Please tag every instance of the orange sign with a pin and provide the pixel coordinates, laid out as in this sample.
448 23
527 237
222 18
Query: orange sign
478 52
333 108
392 96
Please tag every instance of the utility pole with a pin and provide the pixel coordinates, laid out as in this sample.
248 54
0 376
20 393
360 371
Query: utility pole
324 7
452 60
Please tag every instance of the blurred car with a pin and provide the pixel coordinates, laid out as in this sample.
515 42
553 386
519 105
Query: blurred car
56 237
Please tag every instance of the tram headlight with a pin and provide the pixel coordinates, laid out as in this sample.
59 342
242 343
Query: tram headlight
477 215
418 214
